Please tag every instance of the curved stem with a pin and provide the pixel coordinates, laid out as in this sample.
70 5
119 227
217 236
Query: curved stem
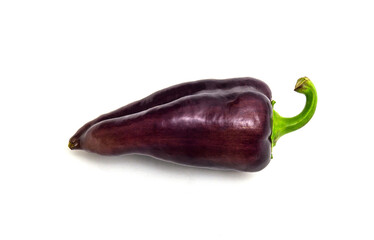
282 125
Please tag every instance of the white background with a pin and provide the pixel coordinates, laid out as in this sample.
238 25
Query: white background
63 63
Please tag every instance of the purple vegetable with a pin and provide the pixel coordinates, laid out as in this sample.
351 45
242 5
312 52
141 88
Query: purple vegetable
225 124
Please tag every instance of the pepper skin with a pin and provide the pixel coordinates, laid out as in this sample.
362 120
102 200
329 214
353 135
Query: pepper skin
222 124
173 93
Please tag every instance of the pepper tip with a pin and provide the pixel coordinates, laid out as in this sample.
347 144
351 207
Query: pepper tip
74 143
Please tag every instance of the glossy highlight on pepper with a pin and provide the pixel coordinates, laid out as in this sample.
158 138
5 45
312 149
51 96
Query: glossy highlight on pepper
220 124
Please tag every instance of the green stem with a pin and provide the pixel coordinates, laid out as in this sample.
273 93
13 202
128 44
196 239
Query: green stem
282 125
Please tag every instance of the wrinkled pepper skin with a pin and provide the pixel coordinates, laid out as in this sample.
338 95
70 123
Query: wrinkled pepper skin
220 124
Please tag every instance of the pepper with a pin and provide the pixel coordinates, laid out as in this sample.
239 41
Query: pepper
221 124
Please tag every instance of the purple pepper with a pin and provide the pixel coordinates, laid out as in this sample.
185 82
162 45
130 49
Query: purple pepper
224 124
